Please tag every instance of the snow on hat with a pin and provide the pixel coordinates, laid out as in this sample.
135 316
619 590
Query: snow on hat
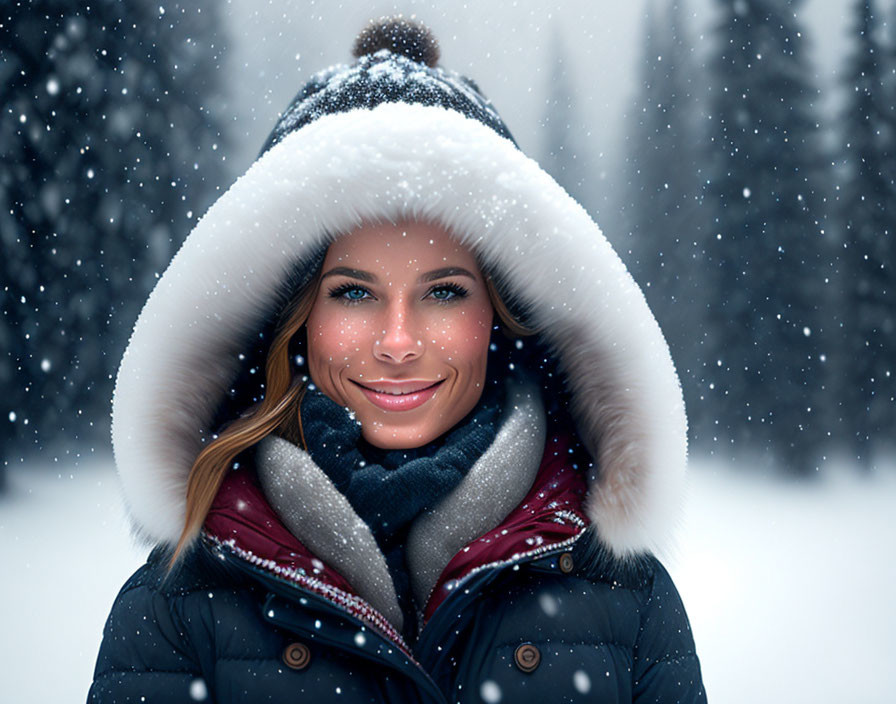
397 62
389 138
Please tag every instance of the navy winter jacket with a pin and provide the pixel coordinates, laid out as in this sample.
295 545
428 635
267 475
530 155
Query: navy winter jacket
558 622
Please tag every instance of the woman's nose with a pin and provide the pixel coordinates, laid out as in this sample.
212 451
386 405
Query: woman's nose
399 340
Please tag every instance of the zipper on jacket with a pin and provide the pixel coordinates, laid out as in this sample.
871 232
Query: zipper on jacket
341 602
351 636
425 651
286 589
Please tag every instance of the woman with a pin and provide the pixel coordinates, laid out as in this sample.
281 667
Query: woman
449 434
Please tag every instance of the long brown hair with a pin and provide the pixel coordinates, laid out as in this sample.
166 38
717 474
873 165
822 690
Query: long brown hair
279 409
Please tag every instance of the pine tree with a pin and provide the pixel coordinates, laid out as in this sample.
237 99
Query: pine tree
868 215
764 243
662 195
109 152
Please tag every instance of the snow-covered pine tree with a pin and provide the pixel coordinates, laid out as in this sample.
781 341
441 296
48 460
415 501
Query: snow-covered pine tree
868 258
764 243
661 198
110 150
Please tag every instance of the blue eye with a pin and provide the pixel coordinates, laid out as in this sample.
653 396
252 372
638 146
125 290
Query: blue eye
457 291
347 293
350 294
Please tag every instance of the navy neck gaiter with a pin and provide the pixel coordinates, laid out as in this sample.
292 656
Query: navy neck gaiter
390 488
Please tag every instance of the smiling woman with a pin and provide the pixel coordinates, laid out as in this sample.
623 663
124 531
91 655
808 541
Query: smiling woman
406 349
413 438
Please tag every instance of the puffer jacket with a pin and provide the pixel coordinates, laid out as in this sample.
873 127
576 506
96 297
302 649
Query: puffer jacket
529 612
535 578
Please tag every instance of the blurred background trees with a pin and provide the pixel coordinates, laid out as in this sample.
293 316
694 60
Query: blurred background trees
764 238
758 225
765 250
111 147
866 216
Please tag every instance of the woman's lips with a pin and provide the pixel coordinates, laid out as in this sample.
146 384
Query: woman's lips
400 402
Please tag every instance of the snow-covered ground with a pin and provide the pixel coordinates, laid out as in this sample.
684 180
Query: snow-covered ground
789 585
65 551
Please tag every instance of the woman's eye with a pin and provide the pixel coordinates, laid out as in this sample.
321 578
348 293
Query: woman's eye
349 293
448 292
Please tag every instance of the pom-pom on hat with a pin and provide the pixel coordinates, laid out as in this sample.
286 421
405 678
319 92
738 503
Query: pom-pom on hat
396 62
400 36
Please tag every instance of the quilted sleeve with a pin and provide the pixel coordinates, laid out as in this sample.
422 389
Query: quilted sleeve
145 655
666 667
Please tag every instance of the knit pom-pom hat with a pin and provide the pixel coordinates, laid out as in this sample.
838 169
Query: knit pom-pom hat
397 62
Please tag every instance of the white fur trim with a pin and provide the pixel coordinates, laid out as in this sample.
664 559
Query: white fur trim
398 161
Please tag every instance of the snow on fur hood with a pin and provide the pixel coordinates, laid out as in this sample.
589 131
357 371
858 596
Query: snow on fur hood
399 161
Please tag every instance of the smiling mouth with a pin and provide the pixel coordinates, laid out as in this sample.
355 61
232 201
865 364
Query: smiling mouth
392 402
392 393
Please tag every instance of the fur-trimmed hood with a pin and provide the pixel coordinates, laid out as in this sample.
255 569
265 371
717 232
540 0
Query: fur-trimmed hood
394 162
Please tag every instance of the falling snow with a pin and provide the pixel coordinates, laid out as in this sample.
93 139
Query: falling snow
198 690
490 692
121 125
581 681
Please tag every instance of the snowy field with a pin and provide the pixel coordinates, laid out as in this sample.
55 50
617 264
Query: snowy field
789 586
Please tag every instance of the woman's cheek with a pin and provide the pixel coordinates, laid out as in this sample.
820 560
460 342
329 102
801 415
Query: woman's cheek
351 344
338 336
469 339
461 333
326 353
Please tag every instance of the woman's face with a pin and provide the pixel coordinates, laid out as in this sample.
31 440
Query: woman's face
399 331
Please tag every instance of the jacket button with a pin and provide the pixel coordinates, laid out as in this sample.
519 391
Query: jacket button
527 657
566 563
296 656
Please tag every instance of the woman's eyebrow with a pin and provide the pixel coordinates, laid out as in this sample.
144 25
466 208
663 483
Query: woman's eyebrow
445 271
428 276
353 273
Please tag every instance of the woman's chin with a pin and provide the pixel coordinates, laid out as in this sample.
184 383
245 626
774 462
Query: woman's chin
393 439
